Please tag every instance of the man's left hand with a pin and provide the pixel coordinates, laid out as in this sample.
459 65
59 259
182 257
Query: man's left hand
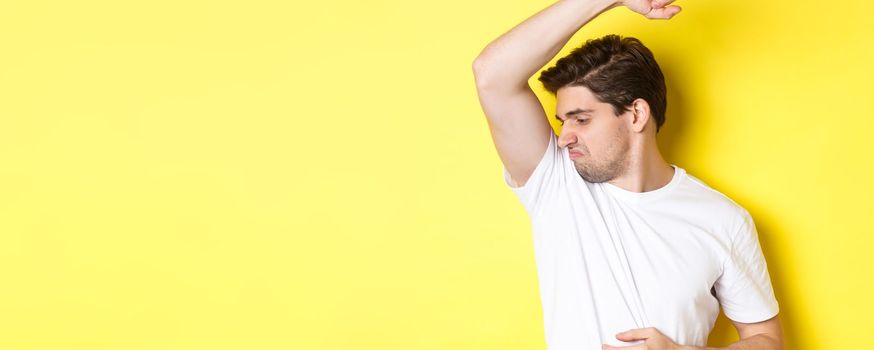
653 340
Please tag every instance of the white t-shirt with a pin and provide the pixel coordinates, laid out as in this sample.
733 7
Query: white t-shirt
609 260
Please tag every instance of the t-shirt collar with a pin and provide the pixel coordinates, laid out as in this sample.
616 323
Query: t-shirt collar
636 197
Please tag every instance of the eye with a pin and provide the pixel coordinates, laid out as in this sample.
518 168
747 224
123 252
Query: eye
582 121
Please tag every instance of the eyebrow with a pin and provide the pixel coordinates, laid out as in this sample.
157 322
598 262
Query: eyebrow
575 112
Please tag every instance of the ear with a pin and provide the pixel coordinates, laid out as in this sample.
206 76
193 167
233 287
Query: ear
640 114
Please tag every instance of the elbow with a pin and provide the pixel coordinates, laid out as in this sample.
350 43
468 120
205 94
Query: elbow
487 76
479 76
491 75
484 68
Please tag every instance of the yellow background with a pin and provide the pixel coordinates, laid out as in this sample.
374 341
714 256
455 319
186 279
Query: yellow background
275 175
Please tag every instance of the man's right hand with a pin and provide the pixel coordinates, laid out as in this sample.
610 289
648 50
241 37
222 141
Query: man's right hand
652 9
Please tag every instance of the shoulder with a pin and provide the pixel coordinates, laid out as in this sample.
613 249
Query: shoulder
714 204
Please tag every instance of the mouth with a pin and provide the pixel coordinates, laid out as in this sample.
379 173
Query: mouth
575 154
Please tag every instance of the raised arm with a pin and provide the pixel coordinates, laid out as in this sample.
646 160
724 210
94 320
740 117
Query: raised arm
516 119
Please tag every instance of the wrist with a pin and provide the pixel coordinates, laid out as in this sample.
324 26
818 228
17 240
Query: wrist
601 4
611 3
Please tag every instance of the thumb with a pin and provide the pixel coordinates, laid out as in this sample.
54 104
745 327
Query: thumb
630 335
664 12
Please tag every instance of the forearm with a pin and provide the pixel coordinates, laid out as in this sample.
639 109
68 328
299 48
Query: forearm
756 342
512 58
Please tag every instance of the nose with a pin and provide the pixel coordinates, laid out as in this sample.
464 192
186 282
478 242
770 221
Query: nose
565 138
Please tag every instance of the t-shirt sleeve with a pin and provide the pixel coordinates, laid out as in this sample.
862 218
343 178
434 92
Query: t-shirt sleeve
545 176
744 289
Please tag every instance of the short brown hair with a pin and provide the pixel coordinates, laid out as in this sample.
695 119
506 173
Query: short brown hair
617 70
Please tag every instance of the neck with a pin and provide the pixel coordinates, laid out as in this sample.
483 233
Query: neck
647 170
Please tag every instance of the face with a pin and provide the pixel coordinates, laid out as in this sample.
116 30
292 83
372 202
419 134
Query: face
591 128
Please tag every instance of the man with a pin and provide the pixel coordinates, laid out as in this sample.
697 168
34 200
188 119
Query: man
631 251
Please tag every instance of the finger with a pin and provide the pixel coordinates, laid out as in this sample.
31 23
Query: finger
663 13
636 334
633 347
631 336
660 3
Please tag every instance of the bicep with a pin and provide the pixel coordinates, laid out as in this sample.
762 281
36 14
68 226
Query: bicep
770 327
519 128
